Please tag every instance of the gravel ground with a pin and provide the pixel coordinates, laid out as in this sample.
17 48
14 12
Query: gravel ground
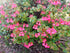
5 49
17 49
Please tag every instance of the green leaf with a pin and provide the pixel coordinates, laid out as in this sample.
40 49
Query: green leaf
64 50
54 46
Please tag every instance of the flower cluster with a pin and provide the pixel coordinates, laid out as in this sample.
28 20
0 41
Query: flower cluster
51 31
28 23
55 2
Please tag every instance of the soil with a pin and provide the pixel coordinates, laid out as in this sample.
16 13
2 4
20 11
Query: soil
34 49
20 49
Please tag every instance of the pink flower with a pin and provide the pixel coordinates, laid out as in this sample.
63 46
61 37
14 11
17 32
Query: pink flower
7 20
13 35
62 8
25 31
1 7
28 36
24 25
31 16
45 45
43 34
66 23
0 22
21 34
5 4
12 39
64 5
49 19
17 24
0 36
38 23
13 15
28 8
62 22
57 24
61 19
17 12
37 35
29 45
25 45
42 12
49 12
10 3
69 4
11 20
20 28
69 23
56 3
4 25
14 5
11 26
56 19
35 27
44 7
48 16
38 1
53 21
53 24
2 12
42 2
27 25
50 1
6 15
44 40
44 19
51 31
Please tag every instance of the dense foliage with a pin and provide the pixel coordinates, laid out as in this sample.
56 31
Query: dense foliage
28 21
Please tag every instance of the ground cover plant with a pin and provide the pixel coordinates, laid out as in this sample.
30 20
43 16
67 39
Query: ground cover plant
28 22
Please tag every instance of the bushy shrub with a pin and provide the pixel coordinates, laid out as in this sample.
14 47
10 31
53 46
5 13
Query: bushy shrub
25 22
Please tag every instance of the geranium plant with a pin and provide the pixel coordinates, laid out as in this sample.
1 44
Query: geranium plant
28 21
